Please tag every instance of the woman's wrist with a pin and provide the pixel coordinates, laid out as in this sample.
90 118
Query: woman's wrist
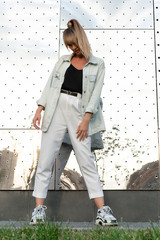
40 108
87 116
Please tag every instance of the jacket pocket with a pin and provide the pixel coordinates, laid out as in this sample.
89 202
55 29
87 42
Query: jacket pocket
56 80
91 82
92 78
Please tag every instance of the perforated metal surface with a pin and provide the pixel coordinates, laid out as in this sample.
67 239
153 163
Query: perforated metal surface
129 97
29 49
126 35
157 47
108 14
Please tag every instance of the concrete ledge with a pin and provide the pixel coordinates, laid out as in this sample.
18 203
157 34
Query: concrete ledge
75 206
81 225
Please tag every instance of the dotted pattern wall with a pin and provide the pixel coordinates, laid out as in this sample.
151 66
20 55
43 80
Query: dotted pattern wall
129 96
126 35
157 46
108 14
29 49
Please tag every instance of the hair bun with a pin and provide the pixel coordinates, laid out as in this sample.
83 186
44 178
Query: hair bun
70 24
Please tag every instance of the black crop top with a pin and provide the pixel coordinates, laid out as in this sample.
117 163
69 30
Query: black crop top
73 80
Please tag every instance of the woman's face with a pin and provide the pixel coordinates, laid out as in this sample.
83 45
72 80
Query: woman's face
75 49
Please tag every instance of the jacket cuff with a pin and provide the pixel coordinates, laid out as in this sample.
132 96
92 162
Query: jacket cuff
91 110
41 103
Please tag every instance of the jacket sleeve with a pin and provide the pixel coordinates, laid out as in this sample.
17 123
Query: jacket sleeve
95 97
43 99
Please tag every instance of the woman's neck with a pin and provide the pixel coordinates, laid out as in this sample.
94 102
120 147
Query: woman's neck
78 62
78 56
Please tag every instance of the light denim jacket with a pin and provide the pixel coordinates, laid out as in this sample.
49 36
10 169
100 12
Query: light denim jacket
93 77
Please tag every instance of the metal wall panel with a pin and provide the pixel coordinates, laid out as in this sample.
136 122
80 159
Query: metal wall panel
129 103
157 59
108 14
18 158
29 49
157 47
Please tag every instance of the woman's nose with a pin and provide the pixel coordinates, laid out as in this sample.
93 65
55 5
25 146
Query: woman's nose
74 47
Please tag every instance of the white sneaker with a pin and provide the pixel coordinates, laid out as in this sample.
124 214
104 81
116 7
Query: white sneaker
38 215
105 217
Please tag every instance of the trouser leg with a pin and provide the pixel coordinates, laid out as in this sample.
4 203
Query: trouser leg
86 163
50 145
60 163
83 152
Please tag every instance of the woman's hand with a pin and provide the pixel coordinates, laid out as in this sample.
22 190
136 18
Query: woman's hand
82 130
37 117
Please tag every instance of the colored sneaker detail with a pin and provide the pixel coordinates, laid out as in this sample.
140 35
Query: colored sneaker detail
105 217
38 215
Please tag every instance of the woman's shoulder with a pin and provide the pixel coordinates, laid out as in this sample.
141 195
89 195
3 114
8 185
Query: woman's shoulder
61 59
96 60
65 57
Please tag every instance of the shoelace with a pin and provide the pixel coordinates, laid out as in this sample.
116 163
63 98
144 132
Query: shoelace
40 207
107 209
43 206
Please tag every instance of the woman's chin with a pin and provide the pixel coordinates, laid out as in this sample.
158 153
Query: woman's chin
79 54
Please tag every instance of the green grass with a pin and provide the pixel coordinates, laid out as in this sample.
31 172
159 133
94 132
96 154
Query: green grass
56 232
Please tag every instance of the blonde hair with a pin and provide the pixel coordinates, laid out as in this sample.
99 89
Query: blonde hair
76 35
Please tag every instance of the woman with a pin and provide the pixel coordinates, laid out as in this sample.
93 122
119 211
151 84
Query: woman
71 100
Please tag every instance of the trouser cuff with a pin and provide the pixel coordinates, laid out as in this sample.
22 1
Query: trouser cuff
96 195
39 195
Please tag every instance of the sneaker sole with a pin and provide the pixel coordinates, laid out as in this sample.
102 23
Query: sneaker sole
36 223
99 222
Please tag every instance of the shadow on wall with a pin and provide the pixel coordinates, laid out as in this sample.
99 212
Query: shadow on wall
147 178
8 161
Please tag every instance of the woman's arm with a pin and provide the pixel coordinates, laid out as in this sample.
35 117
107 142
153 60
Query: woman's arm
43 99
94 101
92 108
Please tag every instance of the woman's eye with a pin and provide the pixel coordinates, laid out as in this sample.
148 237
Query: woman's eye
70 45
